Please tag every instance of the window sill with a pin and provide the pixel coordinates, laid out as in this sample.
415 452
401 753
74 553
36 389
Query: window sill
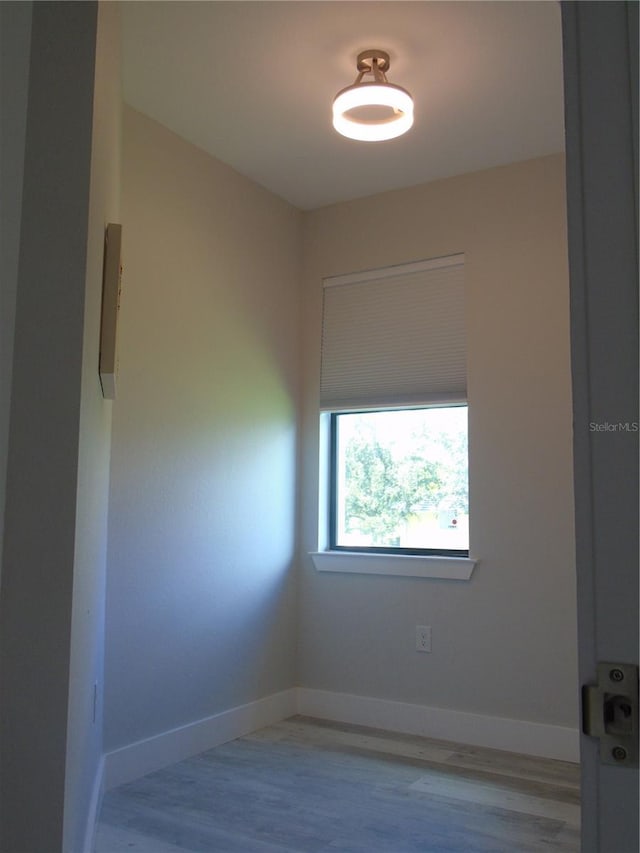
400 565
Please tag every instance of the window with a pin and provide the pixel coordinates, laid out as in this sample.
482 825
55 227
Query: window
393 402
399 481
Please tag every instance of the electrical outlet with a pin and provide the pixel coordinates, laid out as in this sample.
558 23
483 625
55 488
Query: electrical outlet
423 638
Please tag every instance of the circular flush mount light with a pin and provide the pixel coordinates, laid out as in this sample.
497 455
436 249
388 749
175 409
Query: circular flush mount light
374 110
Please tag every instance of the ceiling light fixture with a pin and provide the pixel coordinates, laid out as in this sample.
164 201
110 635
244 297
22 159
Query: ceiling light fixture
374 110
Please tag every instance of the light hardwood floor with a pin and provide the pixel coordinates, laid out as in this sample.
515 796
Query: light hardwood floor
307 786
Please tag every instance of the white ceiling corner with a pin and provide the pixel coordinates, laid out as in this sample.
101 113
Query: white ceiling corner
252 83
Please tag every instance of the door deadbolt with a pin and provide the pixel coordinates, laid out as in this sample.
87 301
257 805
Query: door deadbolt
610 712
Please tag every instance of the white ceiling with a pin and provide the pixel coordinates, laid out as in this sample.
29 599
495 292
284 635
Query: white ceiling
253 82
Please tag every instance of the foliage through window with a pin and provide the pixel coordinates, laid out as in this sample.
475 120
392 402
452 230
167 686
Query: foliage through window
400 481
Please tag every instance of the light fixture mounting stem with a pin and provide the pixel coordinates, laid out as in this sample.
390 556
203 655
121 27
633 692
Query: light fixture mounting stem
379 59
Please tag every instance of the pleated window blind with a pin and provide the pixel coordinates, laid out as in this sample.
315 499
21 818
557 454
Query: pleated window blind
394 337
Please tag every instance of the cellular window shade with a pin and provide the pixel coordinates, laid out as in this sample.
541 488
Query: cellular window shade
394 336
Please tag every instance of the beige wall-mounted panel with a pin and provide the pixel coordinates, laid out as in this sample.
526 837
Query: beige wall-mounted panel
110 308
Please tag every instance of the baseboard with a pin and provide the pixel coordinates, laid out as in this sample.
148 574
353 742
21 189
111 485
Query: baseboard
523 736
145 756
95 803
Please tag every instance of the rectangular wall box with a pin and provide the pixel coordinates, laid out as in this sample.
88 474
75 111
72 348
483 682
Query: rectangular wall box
110 306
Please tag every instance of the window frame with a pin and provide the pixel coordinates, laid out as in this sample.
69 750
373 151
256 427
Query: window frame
394 551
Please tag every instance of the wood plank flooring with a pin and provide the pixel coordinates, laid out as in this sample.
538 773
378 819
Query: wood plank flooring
312 786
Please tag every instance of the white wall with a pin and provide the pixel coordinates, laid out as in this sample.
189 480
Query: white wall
504 644
201 595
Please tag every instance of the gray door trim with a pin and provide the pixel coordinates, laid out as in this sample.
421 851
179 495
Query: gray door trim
600 57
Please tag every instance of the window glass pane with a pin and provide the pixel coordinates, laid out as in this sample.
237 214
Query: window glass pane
401 479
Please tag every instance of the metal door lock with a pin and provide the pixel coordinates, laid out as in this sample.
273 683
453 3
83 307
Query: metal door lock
610 712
